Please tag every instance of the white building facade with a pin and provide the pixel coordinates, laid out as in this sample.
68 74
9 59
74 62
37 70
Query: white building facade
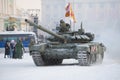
7 8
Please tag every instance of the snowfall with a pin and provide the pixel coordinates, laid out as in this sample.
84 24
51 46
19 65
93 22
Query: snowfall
25 69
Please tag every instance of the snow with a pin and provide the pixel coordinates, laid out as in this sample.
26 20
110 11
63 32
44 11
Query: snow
24 69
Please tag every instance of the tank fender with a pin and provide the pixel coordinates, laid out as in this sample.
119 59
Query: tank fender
40 48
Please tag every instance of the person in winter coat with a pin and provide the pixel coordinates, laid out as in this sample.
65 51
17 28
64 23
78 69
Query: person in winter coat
12 46
7 49
19 50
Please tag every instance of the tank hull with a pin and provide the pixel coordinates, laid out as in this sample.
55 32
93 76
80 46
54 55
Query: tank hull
81 52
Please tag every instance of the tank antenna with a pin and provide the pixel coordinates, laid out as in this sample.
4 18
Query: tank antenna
81 26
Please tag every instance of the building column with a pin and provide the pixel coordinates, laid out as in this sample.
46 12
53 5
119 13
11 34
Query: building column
2 7
7 7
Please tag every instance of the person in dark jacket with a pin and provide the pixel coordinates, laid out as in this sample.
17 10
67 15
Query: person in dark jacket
7 49
19 50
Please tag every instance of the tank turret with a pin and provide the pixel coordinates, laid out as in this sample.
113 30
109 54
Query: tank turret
65 35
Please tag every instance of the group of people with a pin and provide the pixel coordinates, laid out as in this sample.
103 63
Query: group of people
14 49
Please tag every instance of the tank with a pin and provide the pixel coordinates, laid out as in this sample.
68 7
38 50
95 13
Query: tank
66 44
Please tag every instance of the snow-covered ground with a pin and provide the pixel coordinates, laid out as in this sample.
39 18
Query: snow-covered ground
24 69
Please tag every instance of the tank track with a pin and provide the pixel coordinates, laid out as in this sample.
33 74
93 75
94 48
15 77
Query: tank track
83 58
86 59
37 59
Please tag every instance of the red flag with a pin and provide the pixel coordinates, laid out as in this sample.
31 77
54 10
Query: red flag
69 12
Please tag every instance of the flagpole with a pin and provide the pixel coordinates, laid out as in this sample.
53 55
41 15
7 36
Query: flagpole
70 25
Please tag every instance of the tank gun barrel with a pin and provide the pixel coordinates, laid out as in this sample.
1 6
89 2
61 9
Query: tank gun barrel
45 30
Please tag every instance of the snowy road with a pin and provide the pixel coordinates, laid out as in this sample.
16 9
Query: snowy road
15 69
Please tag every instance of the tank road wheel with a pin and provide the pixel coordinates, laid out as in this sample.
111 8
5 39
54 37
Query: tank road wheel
37 59
84 58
